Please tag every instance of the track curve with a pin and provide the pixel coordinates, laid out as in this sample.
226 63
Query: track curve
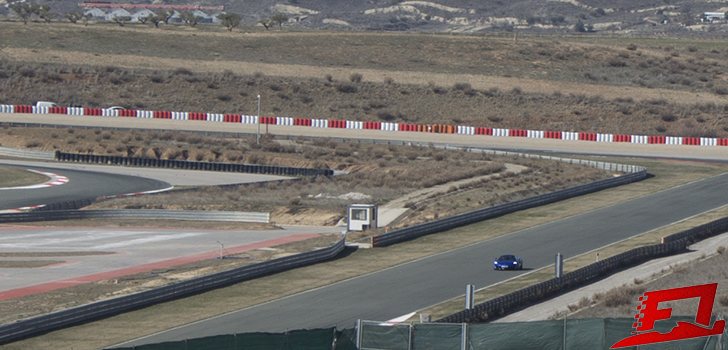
81 185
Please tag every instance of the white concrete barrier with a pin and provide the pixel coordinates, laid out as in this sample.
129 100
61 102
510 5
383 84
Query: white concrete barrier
500 132
74 111
605 137
708 141
534 134
40 110
142 114
639 139
105 112
215 117
673 140
569 136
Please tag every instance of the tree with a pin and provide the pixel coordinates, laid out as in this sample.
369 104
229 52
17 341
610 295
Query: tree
189 18
279 18
165 16
152 18
267 23
579 27
74 17
122 20
229 20
24 10
44 12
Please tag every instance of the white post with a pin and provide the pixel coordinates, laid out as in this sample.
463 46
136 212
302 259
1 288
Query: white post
222 247
257 135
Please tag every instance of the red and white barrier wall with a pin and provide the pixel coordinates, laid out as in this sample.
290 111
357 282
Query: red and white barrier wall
369 125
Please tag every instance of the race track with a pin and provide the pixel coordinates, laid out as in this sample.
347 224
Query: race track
396 291
81 185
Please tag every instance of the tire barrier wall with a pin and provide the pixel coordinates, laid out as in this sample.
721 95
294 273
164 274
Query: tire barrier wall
51 214
110 307
190 165
384 126
412 232
522 298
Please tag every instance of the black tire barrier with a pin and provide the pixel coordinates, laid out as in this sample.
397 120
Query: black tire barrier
416 231
191 165
539 292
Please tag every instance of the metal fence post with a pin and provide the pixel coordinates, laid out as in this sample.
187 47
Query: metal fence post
469 296
559 265
464 337
359 324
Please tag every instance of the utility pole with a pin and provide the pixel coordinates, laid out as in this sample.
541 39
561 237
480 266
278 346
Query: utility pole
257 135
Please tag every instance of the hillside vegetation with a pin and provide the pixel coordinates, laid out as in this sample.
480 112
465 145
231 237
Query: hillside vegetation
663 86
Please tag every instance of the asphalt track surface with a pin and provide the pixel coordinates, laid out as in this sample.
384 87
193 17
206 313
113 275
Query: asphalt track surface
82 185
405 288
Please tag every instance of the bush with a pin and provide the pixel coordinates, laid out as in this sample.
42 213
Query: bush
183 71
720 250
224 98
631 47
669 118
347 88
621 296
462 86
356 78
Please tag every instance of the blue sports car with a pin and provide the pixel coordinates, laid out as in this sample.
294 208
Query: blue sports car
508 262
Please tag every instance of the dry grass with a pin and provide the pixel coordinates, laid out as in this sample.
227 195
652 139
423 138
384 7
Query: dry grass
13 177
382 172
533 84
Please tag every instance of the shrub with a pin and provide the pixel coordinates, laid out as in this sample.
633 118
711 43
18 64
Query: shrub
27 72
224 98
720 250
669 118
462 86
439 90
183 71
356 78
156 79
721 90
347 88
621 296
631 47
723 300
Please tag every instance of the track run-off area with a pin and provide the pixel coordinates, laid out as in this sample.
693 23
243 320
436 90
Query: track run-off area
401 289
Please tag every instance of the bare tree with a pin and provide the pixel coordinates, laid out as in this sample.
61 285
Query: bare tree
189 18
153 19
122 20
165 16
74 17
279 18
24 10
44 12
267 23
229 20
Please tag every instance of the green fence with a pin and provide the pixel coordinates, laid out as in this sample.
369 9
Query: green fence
572 334
575 334
316 339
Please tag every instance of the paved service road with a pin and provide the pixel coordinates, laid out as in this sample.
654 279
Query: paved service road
508 143
393 292
81 185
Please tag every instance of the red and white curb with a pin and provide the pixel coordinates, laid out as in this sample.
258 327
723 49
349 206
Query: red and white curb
55 180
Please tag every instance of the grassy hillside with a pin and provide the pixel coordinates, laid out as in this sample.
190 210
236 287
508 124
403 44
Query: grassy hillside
665 86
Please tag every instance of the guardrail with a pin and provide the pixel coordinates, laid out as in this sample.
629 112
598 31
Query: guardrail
197 215
522 298
106 308
412 232
191 165
23 153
